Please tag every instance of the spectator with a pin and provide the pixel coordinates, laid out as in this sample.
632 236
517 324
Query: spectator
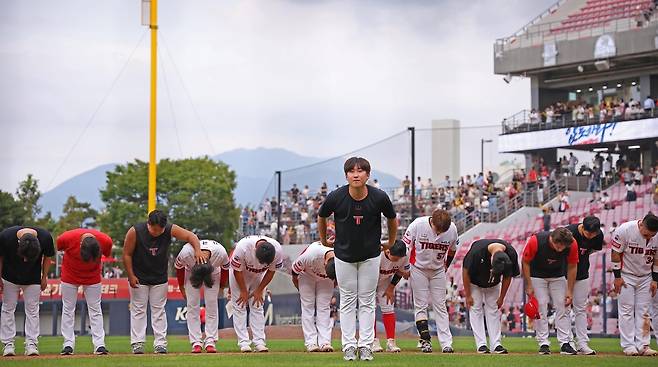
605 200
406 185
573 162
649 105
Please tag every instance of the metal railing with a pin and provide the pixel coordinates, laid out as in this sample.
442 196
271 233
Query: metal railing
520 122
537 34
501 210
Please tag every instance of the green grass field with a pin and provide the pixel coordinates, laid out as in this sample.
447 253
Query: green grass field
290 353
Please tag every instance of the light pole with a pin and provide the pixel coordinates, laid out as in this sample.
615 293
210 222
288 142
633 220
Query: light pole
482 141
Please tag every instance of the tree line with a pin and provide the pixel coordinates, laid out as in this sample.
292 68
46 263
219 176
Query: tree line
196 193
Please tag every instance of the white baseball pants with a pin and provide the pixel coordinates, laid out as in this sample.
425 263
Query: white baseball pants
210 296
156 297
580 297
547 290
31 294
634 302
489 313
69 299
357 282
431 284
315 296
256 314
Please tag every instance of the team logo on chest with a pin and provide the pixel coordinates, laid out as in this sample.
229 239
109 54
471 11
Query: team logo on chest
153 251
357 218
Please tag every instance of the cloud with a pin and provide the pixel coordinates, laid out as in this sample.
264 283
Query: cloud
316 77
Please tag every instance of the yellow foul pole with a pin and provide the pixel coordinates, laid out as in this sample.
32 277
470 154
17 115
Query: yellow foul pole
154 79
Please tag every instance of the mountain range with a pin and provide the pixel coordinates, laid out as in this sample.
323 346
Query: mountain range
256 179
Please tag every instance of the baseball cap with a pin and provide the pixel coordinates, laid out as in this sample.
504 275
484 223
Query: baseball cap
531 308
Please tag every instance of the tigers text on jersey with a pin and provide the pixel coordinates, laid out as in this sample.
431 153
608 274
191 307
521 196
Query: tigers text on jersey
218 256
311 261
426 249
387 267
638 253
244 255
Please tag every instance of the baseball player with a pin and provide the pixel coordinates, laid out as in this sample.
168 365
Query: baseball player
547 258
357 210
432 242
484 264
25 257
313 274
635 267
589 237
81 266
212 276
146 258
394 266
253 263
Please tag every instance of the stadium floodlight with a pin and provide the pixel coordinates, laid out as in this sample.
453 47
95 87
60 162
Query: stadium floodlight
580 68
618 85
507 78
634 147
604 87
617 147
590 89
634 83
578 90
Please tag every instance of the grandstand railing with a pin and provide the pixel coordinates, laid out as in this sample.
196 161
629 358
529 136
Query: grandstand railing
530 24
527 198
537 34
520 121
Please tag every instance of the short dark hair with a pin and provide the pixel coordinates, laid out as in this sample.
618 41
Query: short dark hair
441 219
330 269
501 263
202 274
157 218
591 224
28 247
90 250
399 249
265 252
562 236
651 222
356 162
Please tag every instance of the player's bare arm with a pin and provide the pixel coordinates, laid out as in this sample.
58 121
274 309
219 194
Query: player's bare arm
466 279
507 281
525 266
189 237
392 225
128 250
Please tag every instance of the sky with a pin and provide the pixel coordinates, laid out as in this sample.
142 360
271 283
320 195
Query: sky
316 77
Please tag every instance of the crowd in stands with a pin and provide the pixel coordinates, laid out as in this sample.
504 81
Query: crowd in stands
575 113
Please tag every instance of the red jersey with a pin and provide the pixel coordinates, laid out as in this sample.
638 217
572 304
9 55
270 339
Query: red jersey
74 270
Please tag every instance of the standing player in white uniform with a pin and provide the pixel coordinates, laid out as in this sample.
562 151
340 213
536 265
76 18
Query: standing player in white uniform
213 276
314 274
393 267
253 263
432 241
635 266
